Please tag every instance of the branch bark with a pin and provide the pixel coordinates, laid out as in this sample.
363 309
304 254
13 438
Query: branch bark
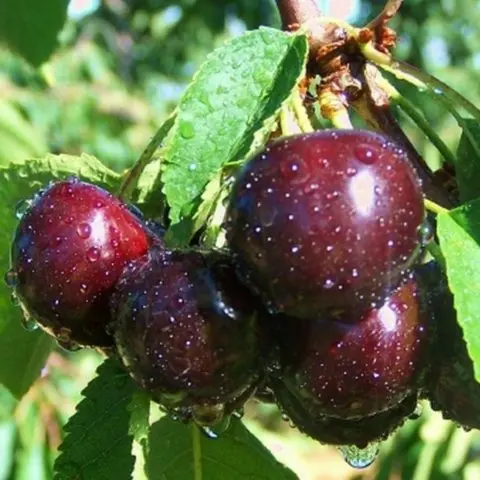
295 12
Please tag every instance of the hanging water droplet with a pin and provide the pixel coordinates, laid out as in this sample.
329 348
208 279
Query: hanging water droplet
21 208
29 324
208 415
209 433
360 457
239 413
11 278
214 431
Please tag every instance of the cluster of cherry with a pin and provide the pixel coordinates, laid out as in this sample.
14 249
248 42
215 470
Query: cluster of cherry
318 300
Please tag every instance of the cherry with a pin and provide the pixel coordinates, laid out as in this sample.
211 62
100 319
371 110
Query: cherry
325 221
451 386
189 333
335 431
69 249
355 367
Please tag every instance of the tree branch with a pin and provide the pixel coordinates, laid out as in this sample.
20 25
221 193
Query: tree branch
296 12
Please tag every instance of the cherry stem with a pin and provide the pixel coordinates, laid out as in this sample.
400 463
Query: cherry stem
417 116
423 80
296 12
434 207
132 176
334 110
389 11
301 113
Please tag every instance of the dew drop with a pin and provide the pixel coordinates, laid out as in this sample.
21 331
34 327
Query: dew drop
11 278
366 154
208 415
14 299
29 324
84 230
209 433
215 431
187 130
360 457
93 254
425 233
238 414
329 283
192 167
21 208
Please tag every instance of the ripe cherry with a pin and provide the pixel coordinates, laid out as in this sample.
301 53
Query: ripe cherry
356 367
325 221
69 249
189 333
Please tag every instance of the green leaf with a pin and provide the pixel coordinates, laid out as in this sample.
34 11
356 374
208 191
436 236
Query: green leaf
238 89
467 166
459 235
181 452
23 354
31 29
98 445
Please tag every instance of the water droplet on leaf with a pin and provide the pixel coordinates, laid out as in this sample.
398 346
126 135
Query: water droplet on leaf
29 324
187 130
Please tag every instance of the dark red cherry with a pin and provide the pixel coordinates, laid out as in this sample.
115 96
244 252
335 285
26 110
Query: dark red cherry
189 333
355 367
325 221
69 250
335 431
451 386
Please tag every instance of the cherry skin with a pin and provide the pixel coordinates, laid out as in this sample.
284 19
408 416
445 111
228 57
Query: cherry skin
69 250
325 221
451 386
360 366
336 431
189 333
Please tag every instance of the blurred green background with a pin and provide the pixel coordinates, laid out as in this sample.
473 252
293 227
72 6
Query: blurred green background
120 68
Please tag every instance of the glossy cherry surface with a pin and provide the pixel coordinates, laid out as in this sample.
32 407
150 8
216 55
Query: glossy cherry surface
325 221
358 367
69 250
189 333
